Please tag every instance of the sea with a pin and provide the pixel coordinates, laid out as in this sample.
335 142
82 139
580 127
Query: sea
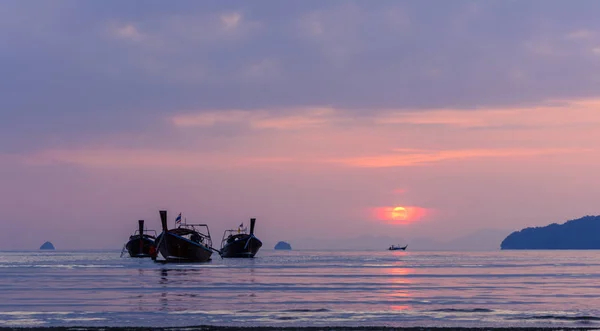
556 289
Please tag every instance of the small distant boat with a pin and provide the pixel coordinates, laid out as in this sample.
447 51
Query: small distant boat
239 243
141 243
397 248
186 243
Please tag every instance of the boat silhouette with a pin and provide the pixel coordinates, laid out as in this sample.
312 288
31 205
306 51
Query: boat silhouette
185 243
141 243
239 243
397 248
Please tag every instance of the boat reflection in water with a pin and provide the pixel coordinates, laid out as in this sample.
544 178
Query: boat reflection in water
238 243
186 243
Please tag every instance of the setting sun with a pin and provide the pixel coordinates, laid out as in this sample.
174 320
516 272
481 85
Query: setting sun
399 214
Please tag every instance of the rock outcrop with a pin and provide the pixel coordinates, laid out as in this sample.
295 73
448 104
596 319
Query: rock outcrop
283 245
47 246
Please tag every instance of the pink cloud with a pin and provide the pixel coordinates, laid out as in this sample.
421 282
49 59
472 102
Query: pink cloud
213 118
406 158
297 118
124 158
324 137
555 113
128 32
231 21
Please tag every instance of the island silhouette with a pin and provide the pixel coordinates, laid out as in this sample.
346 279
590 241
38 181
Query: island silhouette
283 245
47 246
581 233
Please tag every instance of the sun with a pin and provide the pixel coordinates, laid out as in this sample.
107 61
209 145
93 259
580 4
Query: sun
399 213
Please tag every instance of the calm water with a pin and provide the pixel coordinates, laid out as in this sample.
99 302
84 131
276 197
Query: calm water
304 288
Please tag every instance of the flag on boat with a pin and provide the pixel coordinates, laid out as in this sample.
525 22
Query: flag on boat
178 219
241 225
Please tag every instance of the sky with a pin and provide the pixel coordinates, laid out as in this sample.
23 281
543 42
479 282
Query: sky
325 120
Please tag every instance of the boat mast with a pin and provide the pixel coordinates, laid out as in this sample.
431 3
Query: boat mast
163 220
252 222
141 231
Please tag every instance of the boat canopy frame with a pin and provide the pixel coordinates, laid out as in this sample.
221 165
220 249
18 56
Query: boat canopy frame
232 233
188 228
137 233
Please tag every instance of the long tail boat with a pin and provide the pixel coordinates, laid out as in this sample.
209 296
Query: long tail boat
185 243
239 243
141 243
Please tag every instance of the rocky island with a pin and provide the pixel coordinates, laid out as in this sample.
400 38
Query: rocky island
581 233
283 245
47 246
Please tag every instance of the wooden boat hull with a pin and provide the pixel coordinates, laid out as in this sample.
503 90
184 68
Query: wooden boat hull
140 246
245 247
175 248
